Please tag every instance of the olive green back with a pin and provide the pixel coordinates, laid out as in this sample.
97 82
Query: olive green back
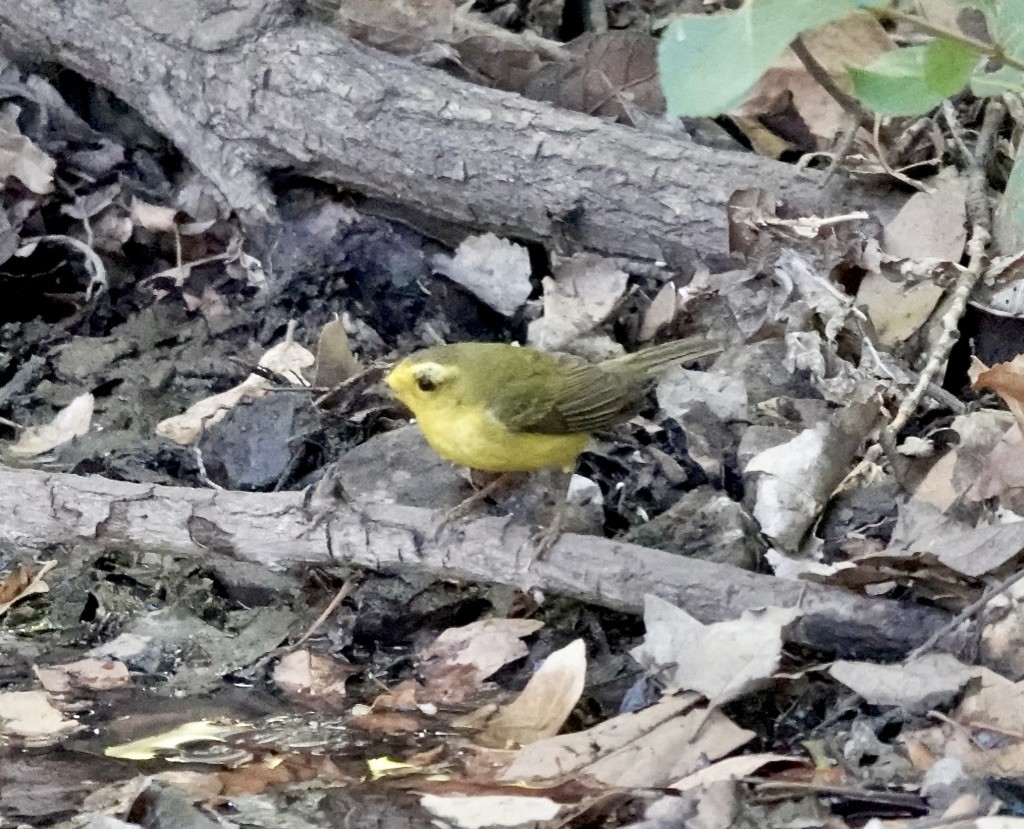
533 391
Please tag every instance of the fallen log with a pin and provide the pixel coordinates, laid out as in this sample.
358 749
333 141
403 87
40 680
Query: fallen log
246 89
40 511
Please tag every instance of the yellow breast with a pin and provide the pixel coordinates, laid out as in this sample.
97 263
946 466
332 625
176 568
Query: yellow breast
471 436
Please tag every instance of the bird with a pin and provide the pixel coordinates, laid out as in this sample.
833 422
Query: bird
503 408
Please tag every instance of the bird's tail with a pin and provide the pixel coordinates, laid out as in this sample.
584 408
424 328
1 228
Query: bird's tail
653 359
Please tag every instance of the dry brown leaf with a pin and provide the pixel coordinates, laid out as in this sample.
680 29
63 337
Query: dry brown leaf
19 584
403 697
1006 380
154 217
997 703
483 647
856 40
493 269
21 159
918 685
397 26
896 310
584 291
972 550
609 74
29 716
490 811
542 707
721 661
1003 473
661 312
312 677
287 359
499 62
387 722
275 771
652 747
733 767
335 362
930 225
70 422
87 674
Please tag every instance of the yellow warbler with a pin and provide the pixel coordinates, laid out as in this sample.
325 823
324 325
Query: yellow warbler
500 408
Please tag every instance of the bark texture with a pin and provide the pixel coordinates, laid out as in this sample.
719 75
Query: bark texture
39 510
246 88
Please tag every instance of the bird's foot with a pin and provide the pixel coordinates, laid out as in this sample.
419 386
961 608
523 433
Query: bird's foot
460 509
320 501
547 536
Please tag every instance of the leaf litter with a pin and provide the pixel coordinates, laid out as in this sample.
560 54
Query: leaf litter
148 330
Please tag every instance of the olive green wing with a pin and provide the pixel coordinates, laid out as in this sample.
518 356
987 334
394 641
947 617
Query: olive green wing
580 398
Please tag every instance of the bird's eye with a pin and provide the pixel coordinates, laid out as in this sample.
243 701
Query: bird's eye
425 383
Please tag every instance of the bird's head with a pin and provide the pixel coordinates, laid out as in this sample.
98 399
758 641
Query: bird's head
422 379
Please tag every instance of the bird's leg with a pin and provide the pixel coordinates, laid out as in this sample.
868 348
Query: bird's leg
564 515
547 536
484 492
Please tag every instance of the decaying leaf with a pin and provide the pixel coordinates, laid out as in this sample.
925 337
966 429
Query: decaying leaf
721 661
155 217
984 463
495 270
918 685
1007 380
794 480
192 732
335 362
661 312
31 718
20 158
542 707
732 768
611 74
287 359
20 583
70 422
402 27
585 289
972 550
667 741
930 225
312 677
680 389
996 703
466 656
89 674
789 99
482 811
897 310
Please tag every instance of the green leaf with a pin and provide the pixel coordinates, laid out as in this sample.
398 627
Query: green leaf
1008 220
948 65
1008 29
1007 79
914 80
708 63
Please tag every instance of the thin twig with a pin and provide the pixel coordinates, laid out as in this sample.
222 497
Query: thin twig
948 335
342 594
967 613
978 209
957 131
884 161
828 83
843 146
